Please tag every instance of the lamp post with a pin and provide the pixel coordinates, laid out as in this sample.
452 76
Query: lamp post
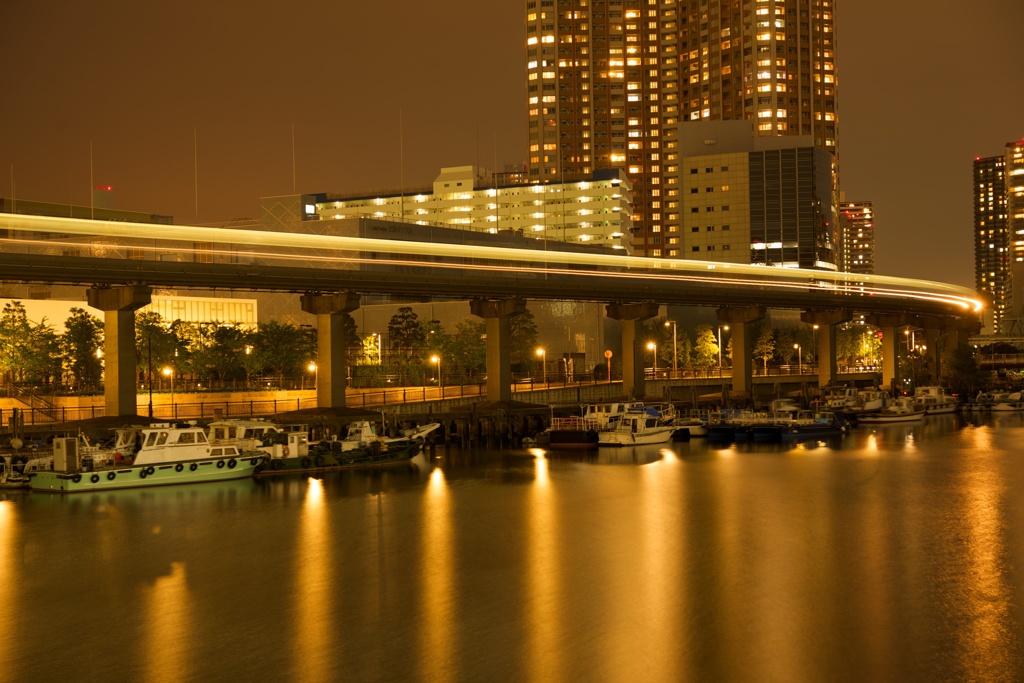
800 357
720 328
543 364
315 369
437 361
654 352
169 372
675 346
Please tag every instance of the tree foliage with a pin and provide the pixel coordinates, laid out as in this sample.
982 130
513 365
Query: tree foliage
705 349
405 337
522 341
764 347
79 346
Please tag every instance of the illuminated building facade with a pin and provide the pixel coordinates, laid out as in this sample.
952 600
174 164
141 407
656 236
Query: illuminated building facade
609 82
593 211
857 224
999 231
752 199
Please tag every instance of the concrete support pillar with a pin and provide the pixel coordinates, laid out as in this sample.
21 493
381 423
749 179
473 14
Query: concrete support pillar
888 323
119 362
632 357
496 314
331 370
825 334
740 320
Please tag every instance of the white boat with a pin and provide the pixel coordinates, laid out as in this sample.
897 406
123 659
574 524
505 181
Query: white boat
10 476
606 415
903 409
695 424
157 455
362 433
635 428
1009 402
935 400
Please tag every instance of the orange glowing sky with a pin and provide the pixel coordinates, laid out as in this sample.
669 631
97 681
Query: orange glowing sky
920 95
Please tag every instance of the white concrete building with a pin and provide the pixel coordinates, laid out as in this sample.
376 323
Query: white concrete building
595 211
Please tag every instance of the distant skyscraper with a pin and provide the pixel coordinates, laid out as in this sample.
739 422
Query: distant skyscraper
999 231
610 80
857 224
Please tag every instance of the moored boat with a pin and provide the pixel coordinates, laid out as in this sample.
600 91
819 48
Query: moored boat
935 400
637 427
1008 403
289 452
903 409
160 454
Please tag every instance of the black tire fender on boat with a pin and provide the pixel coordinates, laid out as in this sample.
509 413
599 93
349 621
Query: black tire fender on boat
111 475
231 464
220 464
193 467
179 467
255 462
306 463
95 478
320 462
77 478
150 470
276 464
143 473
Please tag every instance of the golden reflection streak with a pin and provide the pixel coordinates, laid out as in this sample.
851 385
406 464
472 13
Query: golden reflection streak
985 653
437 661
662 536
858 283
168 629
311 660
543 578
8 578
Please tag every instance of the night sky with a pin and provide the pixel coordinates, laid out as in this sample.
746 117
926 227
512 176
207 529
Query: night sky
383 94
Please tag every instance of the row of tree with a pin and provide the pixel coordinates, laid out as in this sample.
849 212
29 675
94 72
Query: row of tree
211 352
786 345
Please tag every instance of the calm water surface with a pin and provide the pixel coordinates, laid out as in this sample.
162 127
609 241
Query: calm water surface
894 554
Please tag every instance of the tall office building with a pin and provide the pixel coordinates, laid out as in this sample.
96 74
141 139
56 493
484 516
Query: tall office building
999 231
857 225
608 82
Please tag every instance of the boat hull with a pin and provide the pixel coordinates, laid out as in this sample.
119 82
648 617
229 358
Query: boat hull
630 439
138 476
891 419
325 460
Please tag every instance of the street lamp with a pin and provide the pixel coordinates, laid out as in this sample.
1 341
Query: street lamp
675 345
315 369
720 328
437 361
800 356
654 352
169 372
543 364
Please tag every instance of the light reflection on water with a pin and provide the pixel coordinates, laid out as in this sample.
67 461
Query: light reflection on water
891 554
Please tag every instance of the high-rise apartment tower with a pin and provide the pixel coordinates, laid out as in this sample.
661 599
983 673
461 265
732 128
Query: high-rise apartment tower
608 82
999 231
